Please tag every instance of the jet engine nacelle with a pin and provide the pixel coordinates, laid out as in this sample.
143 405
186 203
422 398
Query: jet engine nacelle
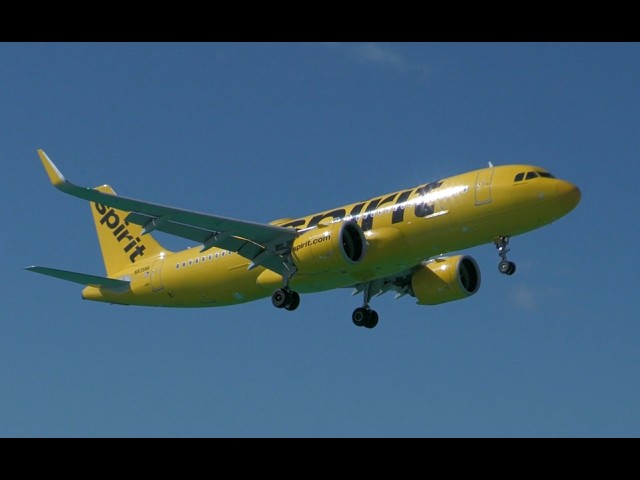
329 248
446 279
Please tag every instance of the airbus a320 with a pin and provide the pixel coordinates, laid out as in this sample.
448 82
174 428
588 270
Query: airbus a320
397 242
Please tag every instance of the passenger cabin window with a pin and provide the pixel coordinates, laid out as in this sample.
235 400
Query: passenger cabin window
519 177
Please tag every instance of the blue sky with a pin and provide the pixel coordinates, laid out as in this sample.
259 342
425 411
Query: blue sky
264 131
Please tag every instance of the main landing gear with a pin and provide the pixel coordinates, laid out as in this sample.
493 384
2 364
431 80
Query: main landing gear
364 316
285 298
505 266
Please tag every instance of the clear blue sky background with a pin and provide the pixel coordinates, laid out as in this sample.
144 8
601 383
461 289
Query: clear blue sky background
263 131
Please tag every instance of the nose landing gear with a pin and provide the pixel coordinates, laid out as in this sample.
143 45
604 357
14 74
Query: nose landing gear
505 266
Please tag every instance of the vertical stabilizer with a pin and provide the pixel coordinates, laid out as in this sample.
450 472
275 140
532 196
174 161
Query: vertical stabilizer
121 242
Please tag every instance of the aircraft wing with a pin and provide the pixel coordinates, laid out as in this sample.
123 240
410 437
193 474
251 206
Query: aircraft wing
258 242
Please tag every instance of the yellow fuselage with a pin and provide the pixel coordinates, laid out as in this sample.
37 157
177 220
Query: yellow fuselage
402 229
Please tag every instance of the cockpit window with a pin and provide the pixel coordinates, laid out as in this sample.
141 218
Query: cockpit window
529 175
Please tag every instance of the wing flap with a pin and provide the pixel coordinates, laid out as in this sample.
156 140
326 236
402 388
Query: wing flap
208 238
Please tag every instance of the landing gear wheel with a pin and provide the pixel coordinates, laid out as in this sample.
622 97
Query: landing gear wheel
359 316
373 319
507 268
279 298
285 298
364 317
294 301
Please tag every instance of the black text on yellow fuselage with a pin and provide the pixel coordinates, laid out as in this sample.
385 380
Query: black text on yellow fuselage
423 209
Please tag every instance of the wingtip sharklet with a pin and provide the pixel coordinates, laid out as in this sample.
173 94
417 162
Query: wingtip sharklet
55 176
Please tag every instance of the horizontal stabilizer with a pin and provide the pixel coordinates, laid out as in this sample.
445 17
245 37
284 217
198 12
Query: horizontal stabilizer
81 278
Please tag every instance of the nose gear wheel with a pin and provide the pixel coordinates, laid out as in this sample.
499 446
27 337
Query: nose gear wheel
505 266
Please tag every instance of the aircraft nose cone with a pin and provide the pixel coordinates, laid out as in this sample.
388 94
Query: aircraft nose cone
568 195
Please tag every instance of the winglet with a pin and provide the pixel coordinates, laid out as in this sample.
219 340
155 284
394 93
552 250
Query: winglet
56 178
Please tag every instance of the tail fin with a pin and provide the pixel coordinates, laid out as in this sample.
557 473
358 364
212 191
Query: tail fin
122 243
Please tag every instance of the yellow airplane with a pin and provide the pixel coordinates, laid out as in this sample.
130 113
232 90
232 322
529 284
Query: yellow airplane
393 242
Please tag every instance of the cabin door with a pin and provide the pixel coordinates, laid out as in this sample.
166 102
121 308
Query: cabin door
483 186
156 276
